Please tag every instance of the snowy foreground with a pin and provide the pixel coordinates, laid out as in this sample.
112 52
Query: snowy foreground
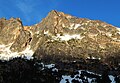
68 78
89 79
6 54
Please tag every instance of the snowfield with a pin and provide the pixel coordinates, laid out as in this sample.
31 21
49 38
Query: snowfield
6 53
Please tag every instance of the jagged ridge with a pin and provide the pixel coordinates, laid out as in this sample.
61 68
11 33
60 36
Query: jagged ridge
62 36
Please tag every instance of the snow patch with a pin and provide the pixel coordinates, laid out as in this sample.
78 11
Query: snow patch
6 53
37 32
115 39
93 58
50 66
68 77
118 33
112 78
63 25
67 37
109 34
71 26
74 26
118 29
46 32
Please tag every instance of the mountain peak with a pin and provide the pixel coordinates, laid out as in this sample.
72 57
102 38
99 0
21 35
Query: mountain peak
62 36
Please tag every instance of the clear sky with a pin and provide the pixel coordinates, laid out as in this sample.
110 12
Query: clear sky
32 11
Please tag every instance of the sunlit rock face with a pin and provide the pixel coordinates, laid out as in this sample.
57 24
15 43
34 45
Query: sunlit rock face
9 30
62 37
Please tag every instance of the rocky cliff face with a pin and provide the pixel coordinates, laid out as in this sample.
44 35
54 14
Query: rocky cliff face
9 30
62 37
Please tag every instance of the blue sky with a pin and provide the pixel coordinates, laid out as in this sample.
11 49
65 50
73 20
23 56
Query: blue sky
32 11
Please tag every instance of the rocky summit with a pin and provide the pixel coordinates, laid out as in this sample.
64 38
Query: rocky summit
62 37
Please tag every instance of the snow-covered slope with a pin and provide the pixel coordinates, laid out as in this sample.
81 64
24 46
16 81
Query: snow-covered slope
6 53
